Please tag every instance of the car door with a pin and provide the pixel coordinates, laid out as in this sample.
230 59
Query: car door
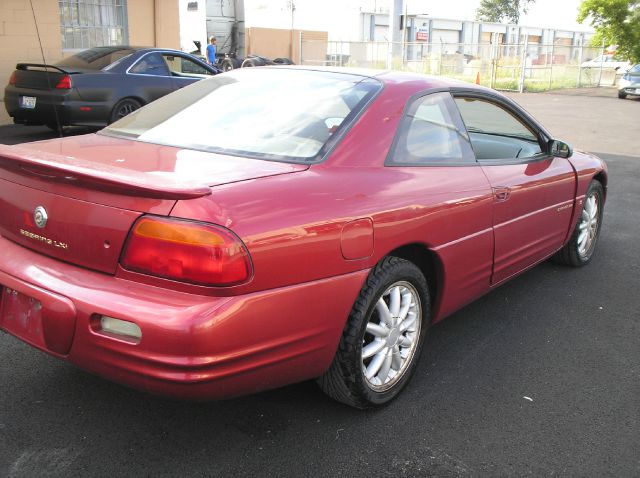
184 70
533 191
434 170
151 77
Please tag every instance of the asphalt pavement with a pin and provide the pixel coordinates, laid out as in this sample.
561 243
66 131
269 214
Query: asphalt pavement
540 377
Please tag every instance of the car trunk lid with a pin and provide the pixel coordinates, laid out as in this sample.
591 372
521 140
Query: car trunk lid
37 76
92 188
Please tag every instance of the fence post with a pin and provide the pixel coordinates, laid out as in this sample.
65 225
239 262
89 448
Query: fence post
601 63
523 65
553 48
300 43
494 64
580 53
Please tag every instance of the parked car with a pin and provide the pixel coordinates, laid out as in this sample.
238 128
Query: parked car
98 86
206 256
607 61
629 84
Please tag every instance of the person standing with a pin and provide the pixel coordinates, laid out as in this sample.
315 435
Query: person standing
211 51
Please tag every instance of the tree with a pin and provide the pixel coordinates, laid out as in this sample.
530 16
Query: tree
498 10
617 22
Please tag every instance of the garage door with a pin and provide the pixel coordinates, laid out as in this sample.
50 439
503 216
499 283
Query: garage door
447 40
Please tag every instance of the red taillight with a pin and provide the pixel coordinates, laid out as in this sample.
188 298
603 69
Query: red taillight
12 78
186 251
64 83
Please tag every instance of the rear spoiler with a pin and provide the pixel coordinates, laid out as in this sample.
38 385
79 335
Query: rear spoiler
41 66
69 170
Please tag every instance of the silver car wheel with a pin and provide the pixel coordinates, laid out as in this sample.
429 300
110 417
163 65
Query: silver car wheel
391 337
588 226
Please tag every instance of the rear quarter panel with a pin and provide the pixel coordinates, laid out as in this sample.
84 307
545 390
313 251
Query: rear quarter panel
292 224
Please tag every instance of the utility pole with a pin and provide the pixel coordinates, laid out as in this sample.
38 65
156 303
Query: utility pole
396 31
292 7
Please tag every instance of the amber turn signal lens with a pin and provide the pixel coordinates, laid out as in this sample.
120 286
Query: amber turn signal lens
186 251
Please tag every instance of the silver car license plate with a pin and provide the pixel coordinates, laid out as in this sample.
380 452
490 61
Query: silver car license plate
28 102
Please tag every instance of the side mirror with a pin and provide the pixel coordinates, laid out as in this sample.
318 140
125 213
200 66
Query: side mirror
560 149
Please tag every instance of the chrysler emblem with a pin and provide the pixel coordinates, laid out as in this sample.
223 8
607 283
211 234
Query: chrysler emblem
40 217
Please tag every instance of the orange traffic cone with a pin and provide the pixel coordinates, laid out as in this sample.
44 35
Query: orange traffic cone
478 78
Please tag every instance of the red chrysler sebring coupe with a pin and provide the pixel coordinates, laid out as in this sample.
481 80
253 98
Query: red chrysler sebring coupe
314 229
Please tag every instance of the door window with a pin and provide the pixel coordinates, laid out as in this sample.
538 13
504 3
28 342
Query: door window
431 133
185 67
495 132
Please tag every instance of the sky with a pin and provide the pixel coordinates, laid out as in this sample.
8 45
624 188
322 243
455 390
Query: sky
338 16
559 14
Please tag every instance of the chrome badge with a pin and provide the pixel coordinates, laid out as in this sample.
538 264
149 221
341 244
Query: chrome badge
40 217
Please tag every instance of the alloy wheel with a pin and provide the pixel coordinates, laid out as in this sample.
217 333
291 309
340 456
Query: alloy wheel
588 226
391 336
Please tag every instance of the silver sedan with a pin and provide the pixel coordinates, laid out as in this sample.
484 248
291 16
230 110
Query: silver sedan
630 83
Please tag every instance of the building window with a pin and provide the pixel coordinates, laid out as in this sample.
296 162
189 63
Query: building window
91 23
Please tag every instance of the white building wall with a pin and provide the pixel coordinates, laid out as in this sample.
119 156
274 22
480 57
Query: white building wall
341 19
193 25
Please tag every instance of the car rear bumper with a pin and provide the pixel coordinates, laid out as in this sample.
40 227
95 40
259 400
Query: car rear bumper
65 107
192 346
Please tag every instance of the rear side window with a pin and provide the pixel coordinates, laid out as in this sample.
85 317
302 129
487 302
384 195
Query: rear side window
151 64
431 133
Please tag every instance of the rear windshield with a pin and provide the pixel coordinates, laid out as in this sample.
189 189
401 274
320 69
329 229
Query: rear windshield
267 113
95 58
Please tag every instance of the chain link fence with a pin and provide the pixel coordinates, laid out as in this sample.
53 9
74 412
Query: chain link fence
513 67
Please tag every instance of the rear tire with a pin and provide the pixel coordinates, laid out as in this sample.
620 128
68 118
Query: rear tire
228 64
247 63
282 61
579 250
123 108
383 337
253 61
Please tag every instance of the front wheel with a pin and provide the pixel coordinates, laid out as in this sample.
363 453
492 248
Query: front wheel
622 95
579 250
383 337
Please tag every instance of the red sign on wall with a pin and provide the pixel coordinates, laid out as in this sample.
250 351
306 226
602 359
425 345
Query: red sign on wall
422 35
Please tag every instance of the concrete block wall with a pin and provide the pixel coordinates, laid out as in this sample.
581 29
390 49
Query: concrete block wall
19 41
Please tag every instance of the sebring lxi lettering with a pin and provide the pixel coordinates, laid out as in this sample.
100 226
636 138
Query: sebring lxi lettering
45 240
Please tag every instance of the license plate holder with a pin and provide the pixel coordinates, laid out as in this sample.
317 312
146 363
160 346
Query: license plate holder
21 315
28 102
